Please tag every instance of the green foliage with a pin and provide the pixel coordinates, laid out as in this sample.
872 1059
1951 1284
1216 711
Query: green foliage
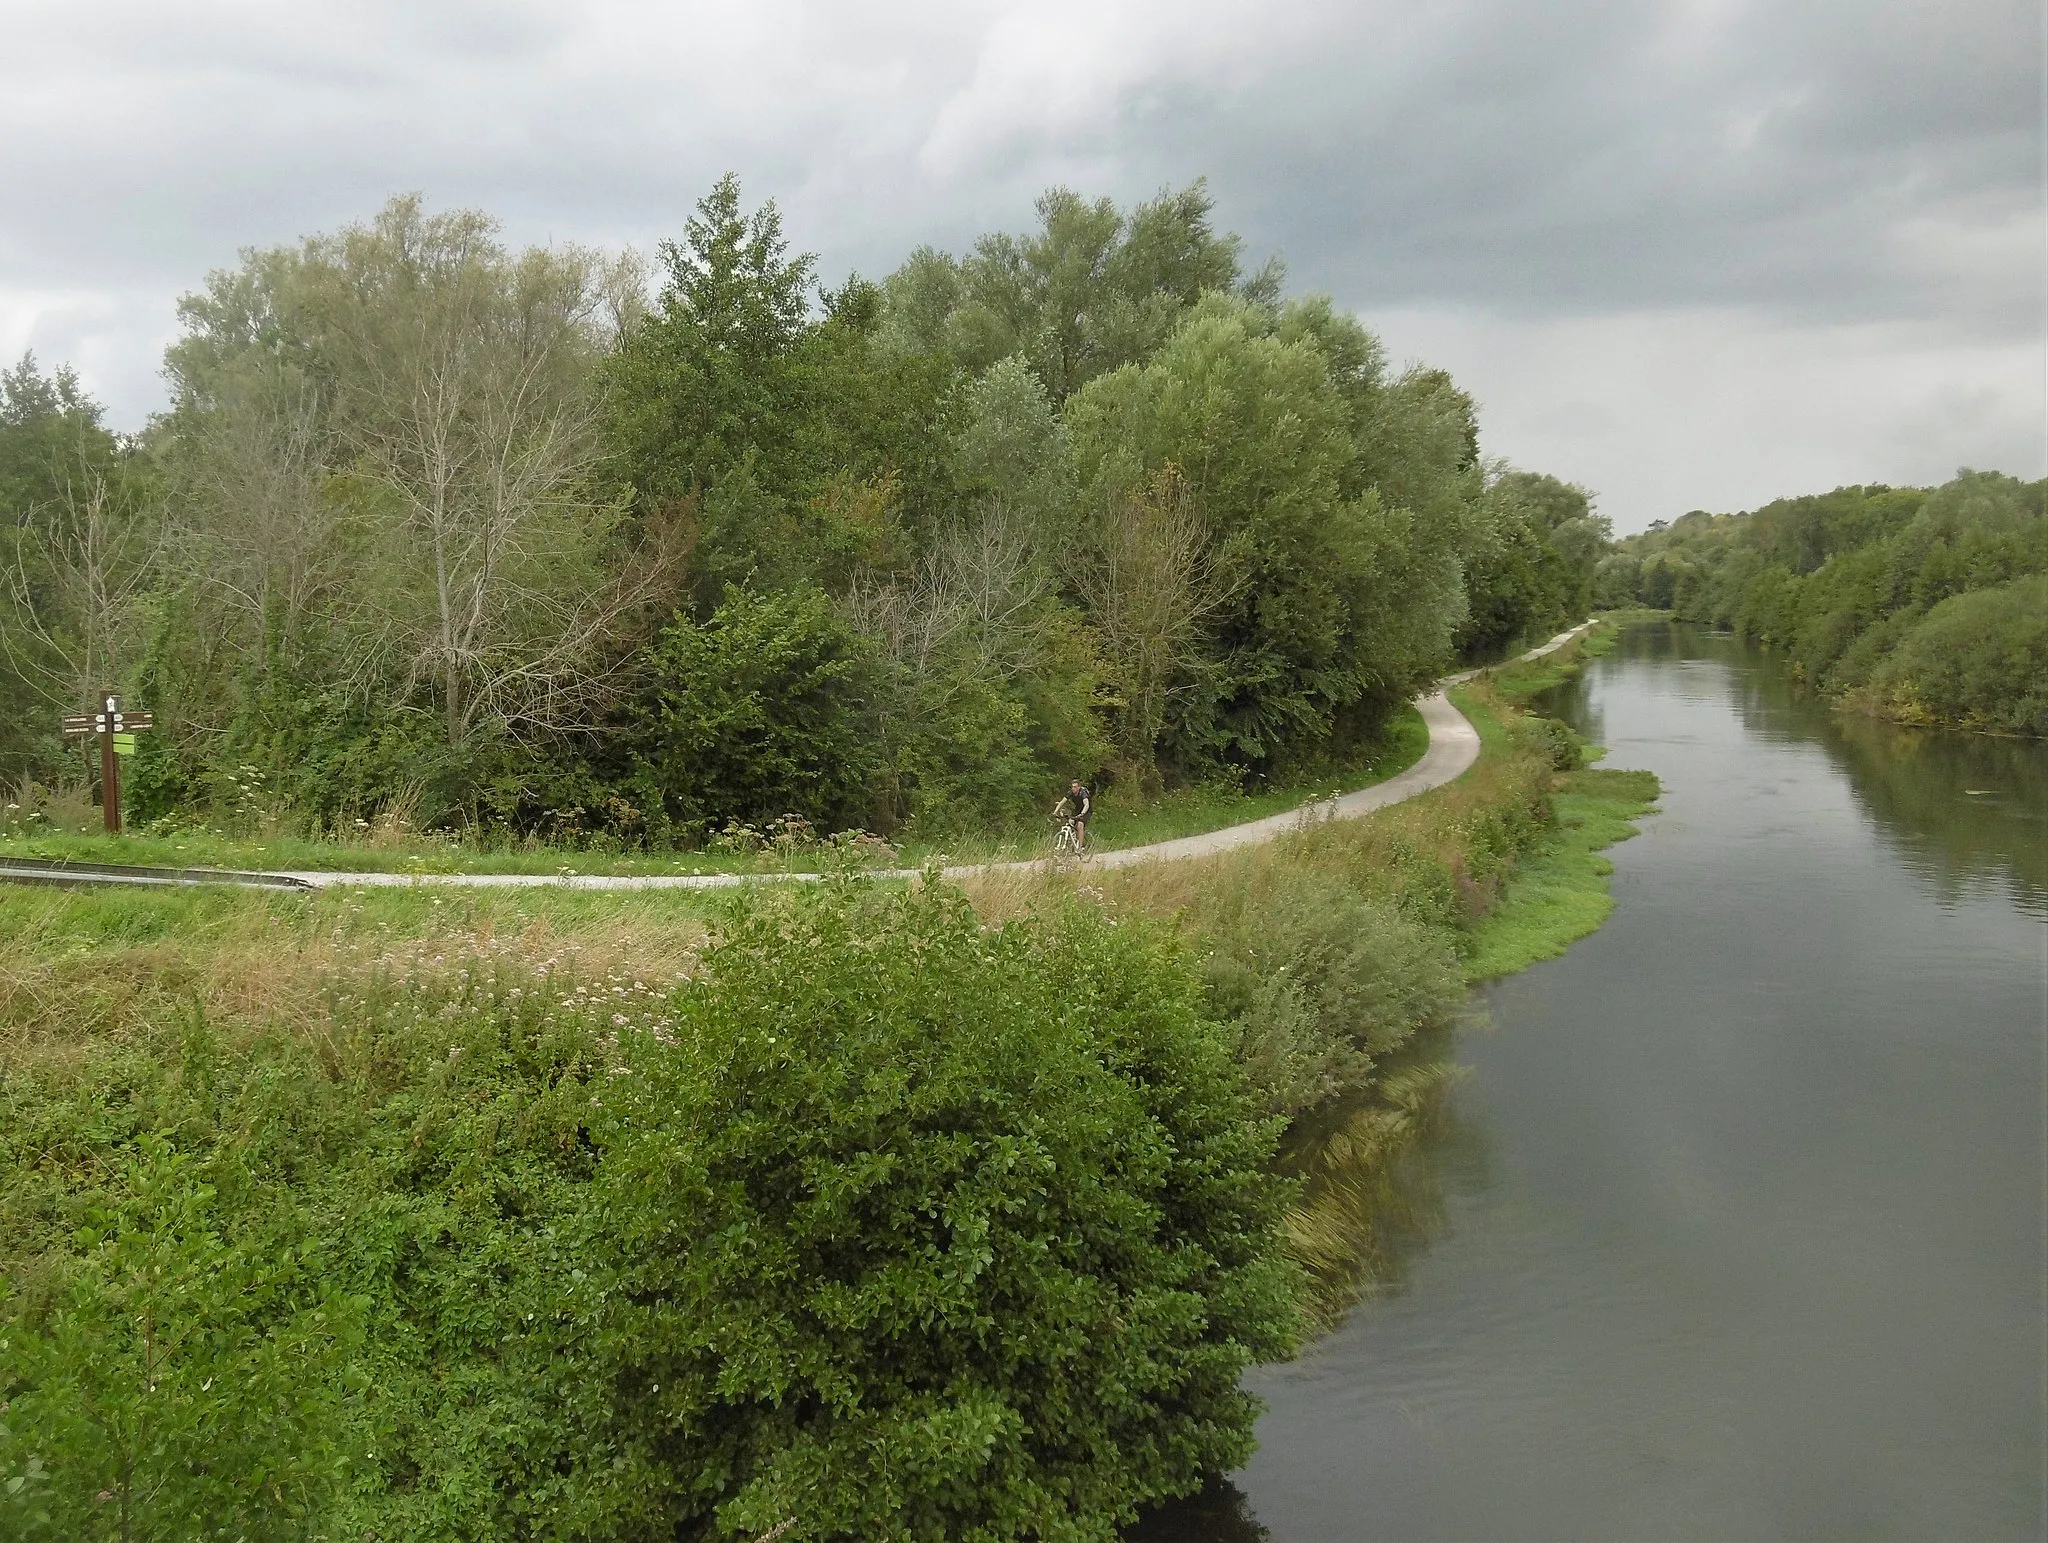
414 540
763 710
77 538
1559 893
708 381
1340 607
184 1376
882 1224
1014 448
1842 581
1092 290
1321 981
732 378
1537 567
885 1145
1977 659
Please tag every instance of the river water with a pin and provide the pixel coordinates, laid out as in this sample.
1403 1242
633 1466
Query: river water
1737 1229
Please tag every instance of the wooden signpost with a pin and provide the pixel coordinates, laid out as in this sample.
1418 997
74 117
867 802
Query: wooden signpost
116 730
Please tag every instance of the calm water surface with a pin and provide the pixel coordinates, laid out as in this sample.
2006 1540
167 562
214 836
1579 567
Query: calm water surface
1738 1227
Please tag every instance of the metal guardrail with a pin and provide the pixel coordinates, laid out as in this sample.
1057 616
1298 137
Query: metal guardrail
63 871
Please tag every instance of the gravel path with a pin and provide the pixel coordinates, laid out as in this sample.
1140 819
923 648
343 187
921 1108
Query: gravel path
1453 747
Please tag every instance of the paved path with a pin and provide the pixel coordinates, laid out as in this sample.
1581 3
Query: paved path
1453 747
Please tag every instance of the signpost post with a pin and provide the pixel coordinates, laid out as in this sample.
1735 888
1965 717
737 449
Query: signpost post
116 730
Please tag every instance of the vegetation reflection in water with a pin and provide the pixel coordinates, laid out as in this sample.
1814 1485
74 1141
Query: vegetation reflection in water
1904 777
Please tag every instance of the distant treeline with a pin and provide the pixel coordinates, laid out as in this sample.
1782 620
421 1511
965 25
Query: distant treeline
528 539
1924 605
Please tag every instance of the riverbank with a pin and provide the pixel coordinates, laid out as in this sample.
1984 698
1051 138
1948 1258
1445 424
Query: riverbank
1341 953
421 1086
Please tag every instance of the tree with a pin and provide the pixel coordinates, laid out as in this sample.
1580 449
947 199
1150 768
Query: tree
82 567
445 403
1013 447
64 480
1345 603
1152 582
710 380
992 681
1533 565
761 423
1091 290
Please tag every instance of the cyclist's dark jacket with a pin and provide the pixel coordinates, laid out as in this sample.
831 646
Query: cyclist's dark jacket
1083 802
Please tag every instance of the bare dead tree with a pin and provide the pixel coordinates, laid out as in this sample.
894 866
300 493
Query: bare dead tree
262 537
468 407
76 626
976 606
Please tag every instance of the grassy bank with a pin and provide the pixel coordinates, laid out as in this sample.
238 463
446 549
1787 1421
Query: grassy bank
1559 892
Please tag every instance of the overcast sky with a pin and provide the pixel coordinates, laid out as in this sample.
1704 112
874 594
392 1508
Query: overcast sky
1690 253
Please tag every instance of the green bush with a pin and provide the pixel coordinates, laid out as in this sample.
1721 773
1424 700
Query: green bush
183 1383
1320 981
935 1232
1978 659
762 711
883 1225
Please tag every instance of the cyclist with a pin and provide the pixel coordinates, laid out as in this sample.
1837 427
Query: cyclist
1077 806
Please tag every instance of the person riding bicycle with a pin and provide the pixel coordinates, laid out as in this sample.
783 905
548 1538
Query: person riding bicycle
1075 809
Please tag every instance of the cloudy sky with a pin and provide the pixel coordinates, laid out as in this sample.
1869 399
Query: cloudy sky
1690 253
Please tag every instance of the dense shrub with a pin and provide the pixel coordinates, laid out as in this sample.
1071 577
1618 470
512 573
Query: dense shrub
765 709
1977 659
883 1226
1320 981
936 1232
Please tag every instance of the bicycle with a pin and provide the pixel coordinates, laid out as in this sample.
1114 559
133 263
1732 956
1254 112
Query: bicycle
1064 841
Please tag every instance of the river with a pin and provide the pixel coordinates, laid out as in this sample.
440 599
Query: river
1737 1229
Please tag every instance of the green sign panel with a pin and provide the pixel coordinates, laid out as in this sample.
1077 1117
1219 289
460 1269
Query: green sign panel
124 744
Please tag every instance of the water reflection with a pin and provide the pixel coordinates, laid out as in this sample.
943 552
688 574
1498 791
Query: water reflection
1378 1181
1962 811
1220 1514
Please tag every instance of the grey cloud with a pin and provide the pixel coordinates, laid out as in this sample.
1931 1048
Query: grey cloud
1806 158
1804 165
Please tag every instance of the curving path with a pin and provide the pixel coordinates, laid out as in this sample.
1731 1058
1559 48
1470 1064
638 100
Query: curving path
1453 747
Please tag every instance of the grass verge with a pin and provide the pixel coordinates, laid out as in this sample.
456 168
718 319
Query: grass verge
1559 891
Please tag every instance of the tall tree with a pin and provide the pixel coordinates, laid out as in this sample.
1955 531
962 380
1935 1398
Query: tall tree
413 383
1090 290
1345 603
1152 584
